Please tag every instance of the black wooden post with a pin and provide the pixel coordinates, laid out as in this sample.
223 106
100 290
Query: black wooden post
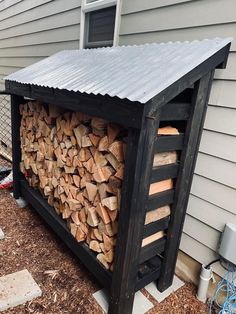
183 184
16 150
138 165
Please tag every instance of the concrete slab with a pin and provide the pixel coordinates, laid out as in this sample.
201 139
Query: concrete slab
21 202
141 303
17 288
2 235
160 296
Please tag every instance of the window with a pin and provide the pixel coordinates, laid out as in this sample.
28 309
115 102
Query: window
99 23
99 27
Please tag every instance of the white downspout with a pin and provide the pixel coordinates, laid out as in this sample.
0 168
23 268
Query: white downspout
205 277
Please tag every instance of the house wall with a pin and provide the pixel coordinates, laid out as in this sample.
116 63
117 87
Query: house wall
29 31
213 194
33 29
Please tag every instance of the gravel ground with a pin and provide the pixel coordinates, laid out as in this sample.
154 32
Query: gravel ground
67 286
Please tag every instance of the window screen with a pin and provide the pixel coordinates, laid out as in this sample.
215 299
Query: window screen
100 26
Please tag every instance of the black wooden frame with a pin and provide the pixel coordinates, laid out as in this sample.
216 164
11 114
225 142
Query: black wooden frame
134 266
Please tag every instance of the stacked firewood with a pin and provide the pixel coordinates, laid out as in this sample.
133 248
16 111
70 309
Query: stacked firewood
77 162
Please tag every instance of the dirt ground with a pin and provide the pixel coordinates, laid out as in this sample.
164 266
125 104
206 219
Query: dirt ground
67 286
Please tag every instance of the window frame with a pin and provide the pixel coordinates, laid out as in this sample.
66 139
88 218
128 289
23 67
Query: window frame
95 6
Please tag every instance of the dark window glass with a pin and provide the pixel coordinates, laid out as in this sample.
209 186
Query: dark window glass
100 26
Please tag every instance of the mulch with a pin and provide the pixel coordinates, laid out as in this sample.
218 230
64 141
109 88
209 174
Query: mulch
66 285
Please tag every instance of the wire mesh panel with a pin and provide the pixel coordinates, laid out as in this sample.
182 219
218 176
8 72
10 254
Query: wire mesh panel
5 133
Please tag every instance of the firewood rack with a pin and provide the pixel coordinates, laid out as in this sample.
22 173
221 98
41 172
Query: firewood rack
183 102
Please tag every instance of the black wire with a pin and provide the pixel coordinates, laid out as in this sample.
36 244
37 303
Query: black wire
231 266
208 265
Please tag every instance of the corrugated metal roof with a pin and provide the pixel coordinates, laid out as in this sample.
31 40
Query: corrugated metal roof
134 72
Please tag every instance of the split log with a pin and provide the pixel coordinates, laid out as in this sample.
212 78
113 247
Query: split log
82 215
99 159
103 213
76 180
113 214
157 214
112 131
66 212
84 154
73 204
89 165
79 132
98 123
116 148
94 246
92 218
120 172
160 186
109 256
97 234
84 227
113 161
167 130
114 183
165 158
102 190
75 217
80 235
102 174
94 139
102 260
108 242
152 238
73 229
110 202
85 141
69 169
103 144
105 228
102 247
91 190
77 162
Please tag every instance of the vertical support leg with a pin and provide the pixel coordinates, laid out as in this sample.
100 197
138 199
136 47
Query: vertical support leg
183 184
16 151
139 158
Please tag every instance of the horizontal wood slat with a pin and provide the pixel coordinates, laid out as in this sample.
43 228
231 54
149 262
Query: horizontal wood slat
150 277
156 226
169 143
148 272
160 199
174 111
89 104
164 172
152 249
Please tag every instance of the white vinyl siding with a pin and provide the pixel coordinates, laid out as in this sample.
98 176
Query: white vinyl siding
213 194
33 29
190 14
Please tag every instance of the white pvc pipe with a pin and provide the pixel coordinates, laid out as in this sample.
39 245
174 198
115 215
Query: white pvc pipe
205 277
